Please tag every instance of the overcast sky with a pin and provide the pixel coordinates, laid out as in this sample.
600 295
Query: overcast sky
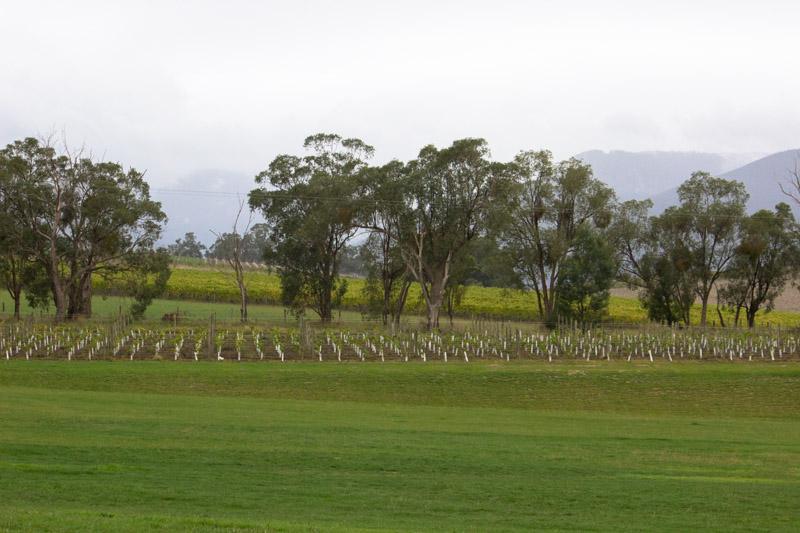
179 88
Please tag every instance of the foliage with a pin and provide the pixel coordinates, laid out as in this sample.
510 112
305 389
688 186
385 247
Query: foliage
147 280
585 278
188 246
554 202
653 258
254 242
83 217
766 260
384 214
311 211
453 194
705 229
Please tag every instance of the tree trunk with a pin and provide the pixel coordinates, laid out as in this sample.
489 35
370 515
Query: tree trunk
751 318
243 296
325 310
433 316
59 298
539 301
401 302
435 300
449 299
17 296
549 307
86 298
704 312
80 298
387 302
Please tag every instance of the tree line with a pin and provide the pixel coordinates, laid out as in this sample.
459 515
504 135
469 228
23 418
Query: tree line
545 225
447 218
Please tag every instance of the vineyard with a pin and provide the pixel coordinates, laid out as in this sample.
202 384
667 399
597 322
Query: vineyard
122 341
216 285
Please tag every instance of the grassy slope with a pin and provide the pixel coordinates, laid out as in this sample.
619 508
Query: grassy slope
130 446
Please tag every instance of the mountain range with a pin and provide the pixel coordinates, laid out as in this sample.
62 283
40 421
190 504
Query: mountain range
640 175
207 201
762 178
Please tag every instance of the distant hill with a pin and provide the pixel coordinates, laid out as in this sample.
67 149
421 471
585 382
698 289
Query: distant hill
761 177
636 175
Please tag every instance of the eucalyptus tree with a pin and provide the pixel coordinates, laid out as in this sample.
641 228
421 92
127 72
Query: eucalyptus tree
554 203
453 194
585 277
146 279
83 217
108 223
668 268
188 246
386 214
766 260
310 203
13 259
652 258
707 223
631 233
253 243
35 189
232 248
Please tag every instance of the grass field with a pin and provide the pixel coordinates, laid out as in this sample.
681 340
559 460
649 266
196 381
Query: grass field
216 285
324 447
202 291
109 306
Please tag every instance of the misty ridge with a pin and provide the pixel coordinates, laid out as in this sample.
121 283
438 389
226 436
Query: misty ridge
206 200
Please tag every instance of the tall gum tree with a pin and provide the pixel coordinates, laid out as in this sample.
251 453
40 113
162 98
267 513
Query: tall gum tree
453 194
83 217
232 250
383 213
766 260
310 205
14 259
653 259
707 222
35 186
553 201
109 220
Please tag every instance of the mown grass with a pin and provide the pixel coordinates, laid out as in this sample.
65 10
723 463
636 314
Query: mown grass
296 447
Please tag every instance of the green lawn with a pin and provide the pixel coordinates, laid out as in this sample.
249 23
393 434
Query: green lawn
321 447
109 306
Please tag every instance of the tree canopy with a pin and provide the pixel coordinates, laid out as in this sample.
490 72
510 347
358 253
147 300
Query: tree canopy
76 217
310 205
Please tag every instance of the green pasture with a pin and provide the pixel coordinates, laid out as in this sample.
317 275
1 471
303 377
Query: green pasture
132 446
200 292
